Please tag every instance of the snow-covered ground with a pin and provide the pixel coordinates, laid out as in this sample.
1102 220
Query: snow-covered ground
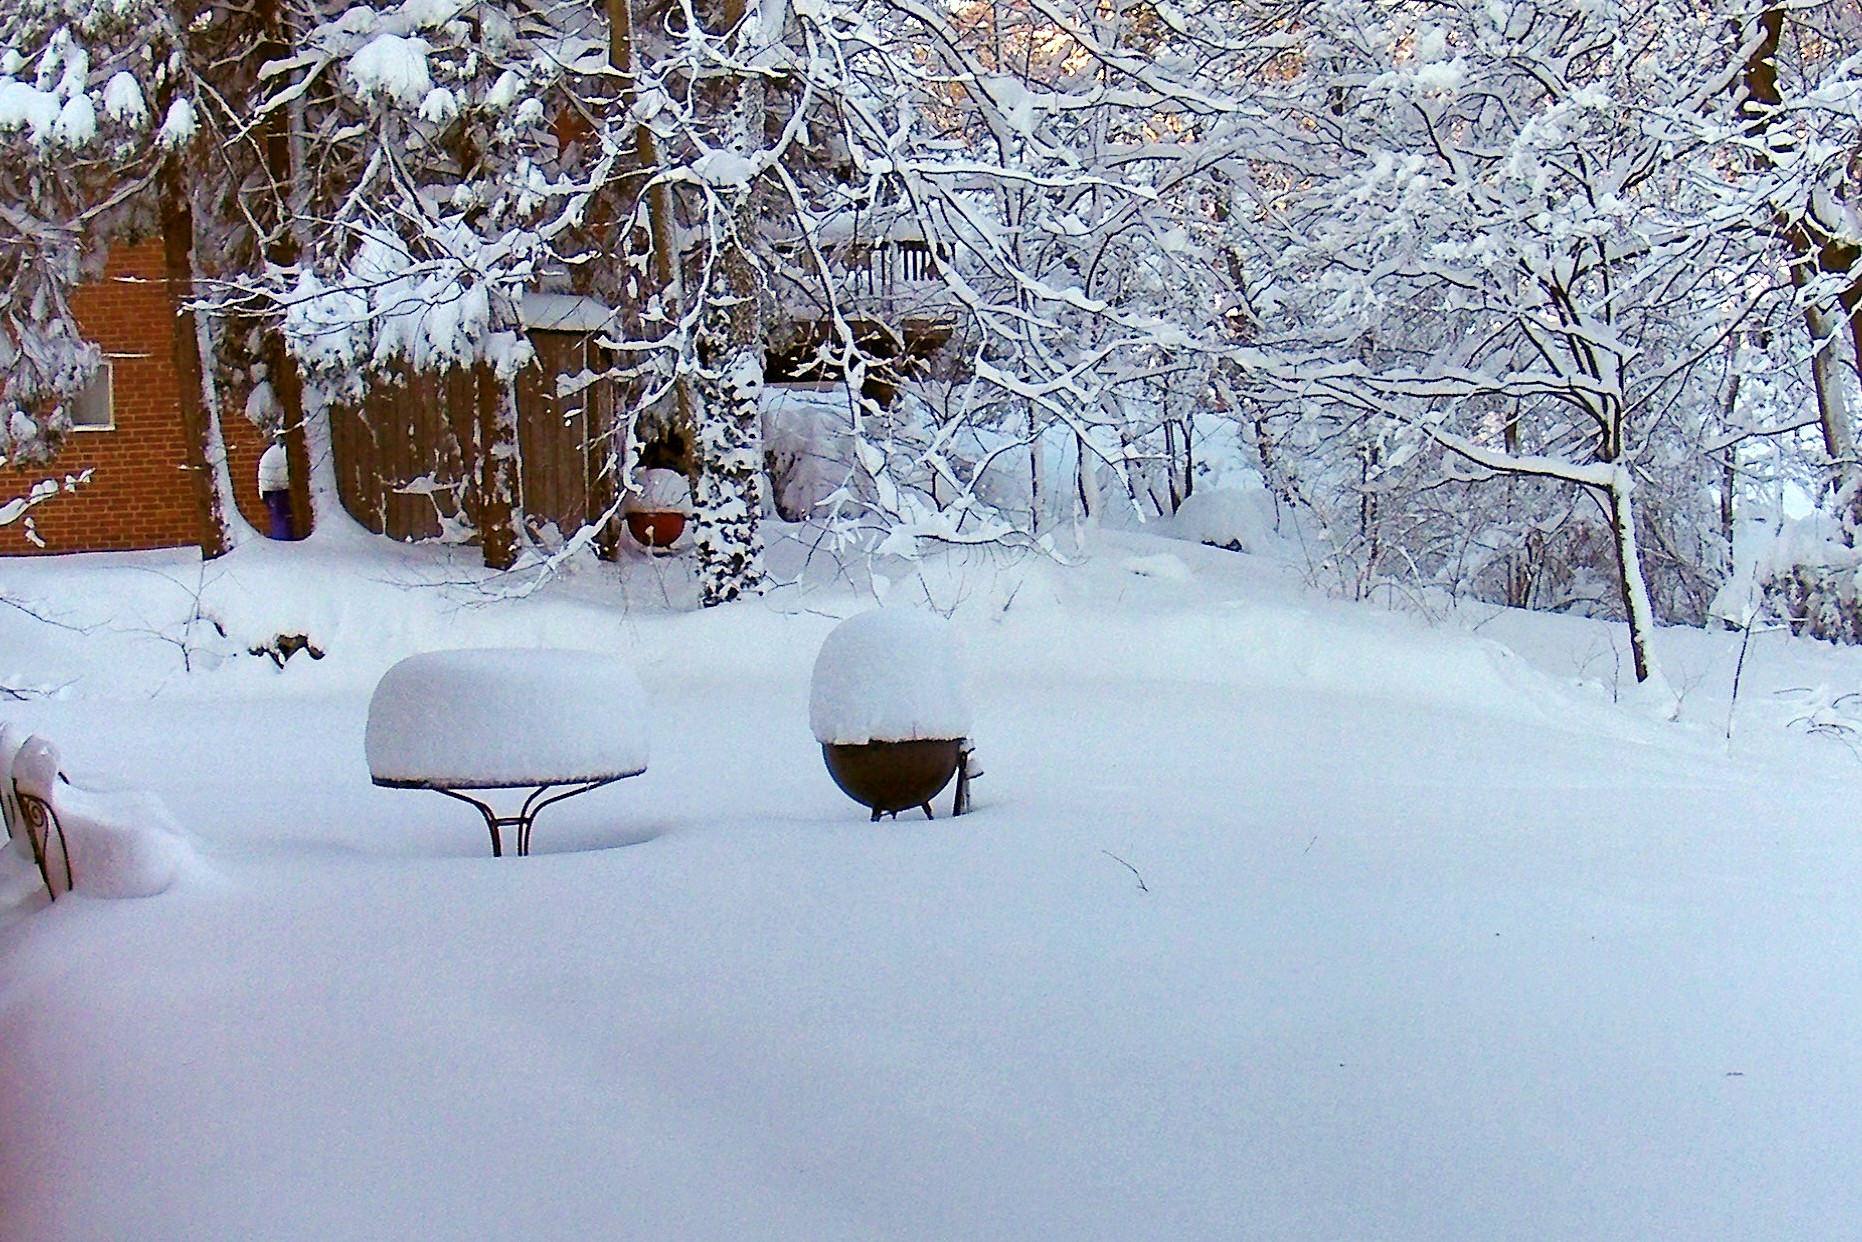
1278 917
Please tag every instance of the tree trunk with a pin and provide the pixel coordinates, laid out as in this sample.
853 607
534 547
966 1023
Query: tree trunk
729 497
177 214
1729 468
1813 249
624 56
288 386
282 250
1634 586
497 466
1839 441
1037 466
238 530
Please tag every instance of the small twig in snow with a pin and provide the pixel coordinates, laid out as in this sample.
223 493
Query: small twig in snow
43 618
1142 887
1739 670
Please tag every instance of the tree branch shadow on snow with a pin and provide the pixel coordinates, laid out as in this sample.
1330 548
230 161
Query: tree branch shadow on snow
893 578
20 694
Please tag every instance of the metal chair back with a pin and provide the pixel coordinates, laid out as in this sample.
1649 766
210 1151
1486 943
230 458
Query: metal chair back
35 784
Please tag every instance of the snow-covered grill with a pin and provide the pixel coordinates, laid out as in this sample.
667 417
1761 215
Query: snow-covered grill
887 704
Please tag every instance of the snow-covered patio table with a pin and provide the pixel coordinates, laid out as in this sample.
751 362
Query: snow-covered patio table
557 723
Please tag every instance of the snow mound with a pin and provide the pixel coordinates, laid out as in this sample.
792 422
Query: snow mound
119 843
1162 566
889 675
1241 519
123 844
808 441
492 717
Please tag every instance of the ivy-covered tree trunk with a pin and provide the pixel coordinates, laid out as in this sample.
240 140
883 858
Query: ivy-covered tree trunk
728 499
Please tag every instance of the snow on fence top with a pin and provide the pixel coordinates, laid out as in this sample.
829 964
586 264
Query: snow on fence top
661 491
889 675
500 717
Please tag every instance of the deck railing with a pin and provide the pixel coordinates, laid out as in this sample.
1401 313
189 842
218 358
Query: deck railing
878 269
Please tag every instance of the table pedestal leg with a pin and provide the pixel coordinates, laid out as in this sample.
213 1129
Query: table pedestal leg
526 817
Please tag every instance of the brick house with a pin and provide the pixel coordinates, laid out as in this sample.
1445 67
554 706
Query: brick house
397 456
129 434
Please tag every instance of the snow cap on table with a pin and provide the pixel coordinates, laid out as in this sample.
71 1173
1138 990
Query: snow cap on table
889 675
491 717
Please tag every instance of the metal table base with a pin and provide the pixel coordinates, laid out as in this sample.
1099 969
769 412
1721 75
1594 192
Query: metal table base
540 797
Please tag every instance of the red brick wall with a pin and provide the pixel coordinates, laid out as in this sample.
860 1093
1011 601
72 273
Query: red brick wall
138 495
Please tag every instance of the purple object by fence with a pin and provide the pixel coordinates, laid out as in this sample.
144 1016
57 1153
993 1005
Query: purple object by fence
279 505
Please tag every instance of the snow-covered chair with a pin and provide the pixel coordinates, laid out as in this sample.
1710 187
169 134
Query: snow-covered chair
556 723
887 704
19 836
105 843
34 779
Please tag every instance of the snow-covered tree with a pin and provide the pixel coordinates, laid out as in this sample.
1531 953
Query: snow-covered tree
58 170
1795 132
431 185
98 114
1495 256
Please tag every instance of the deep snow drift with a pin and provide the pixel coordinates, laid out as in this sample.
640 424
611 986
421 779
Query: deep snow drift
1278 917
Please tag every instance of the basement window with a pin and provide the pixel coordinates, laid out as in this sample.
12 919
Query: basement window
95 409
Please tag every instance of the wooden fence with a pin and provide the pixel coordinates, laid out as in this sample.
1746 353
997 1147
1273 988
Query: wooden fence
402 457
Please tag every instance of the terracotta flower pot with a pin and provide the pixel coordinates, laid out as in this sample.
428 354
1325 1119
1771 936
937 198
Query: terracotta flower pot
655 529
891 777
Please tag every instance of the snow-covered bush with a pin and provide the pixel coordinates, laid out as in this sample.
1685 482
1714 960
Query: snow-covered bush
1240 519
1804 573
19 508
808 447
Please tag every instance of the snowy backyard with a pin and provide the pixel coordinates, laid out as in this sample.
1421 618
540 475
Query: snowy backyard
1359 499
1276 917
